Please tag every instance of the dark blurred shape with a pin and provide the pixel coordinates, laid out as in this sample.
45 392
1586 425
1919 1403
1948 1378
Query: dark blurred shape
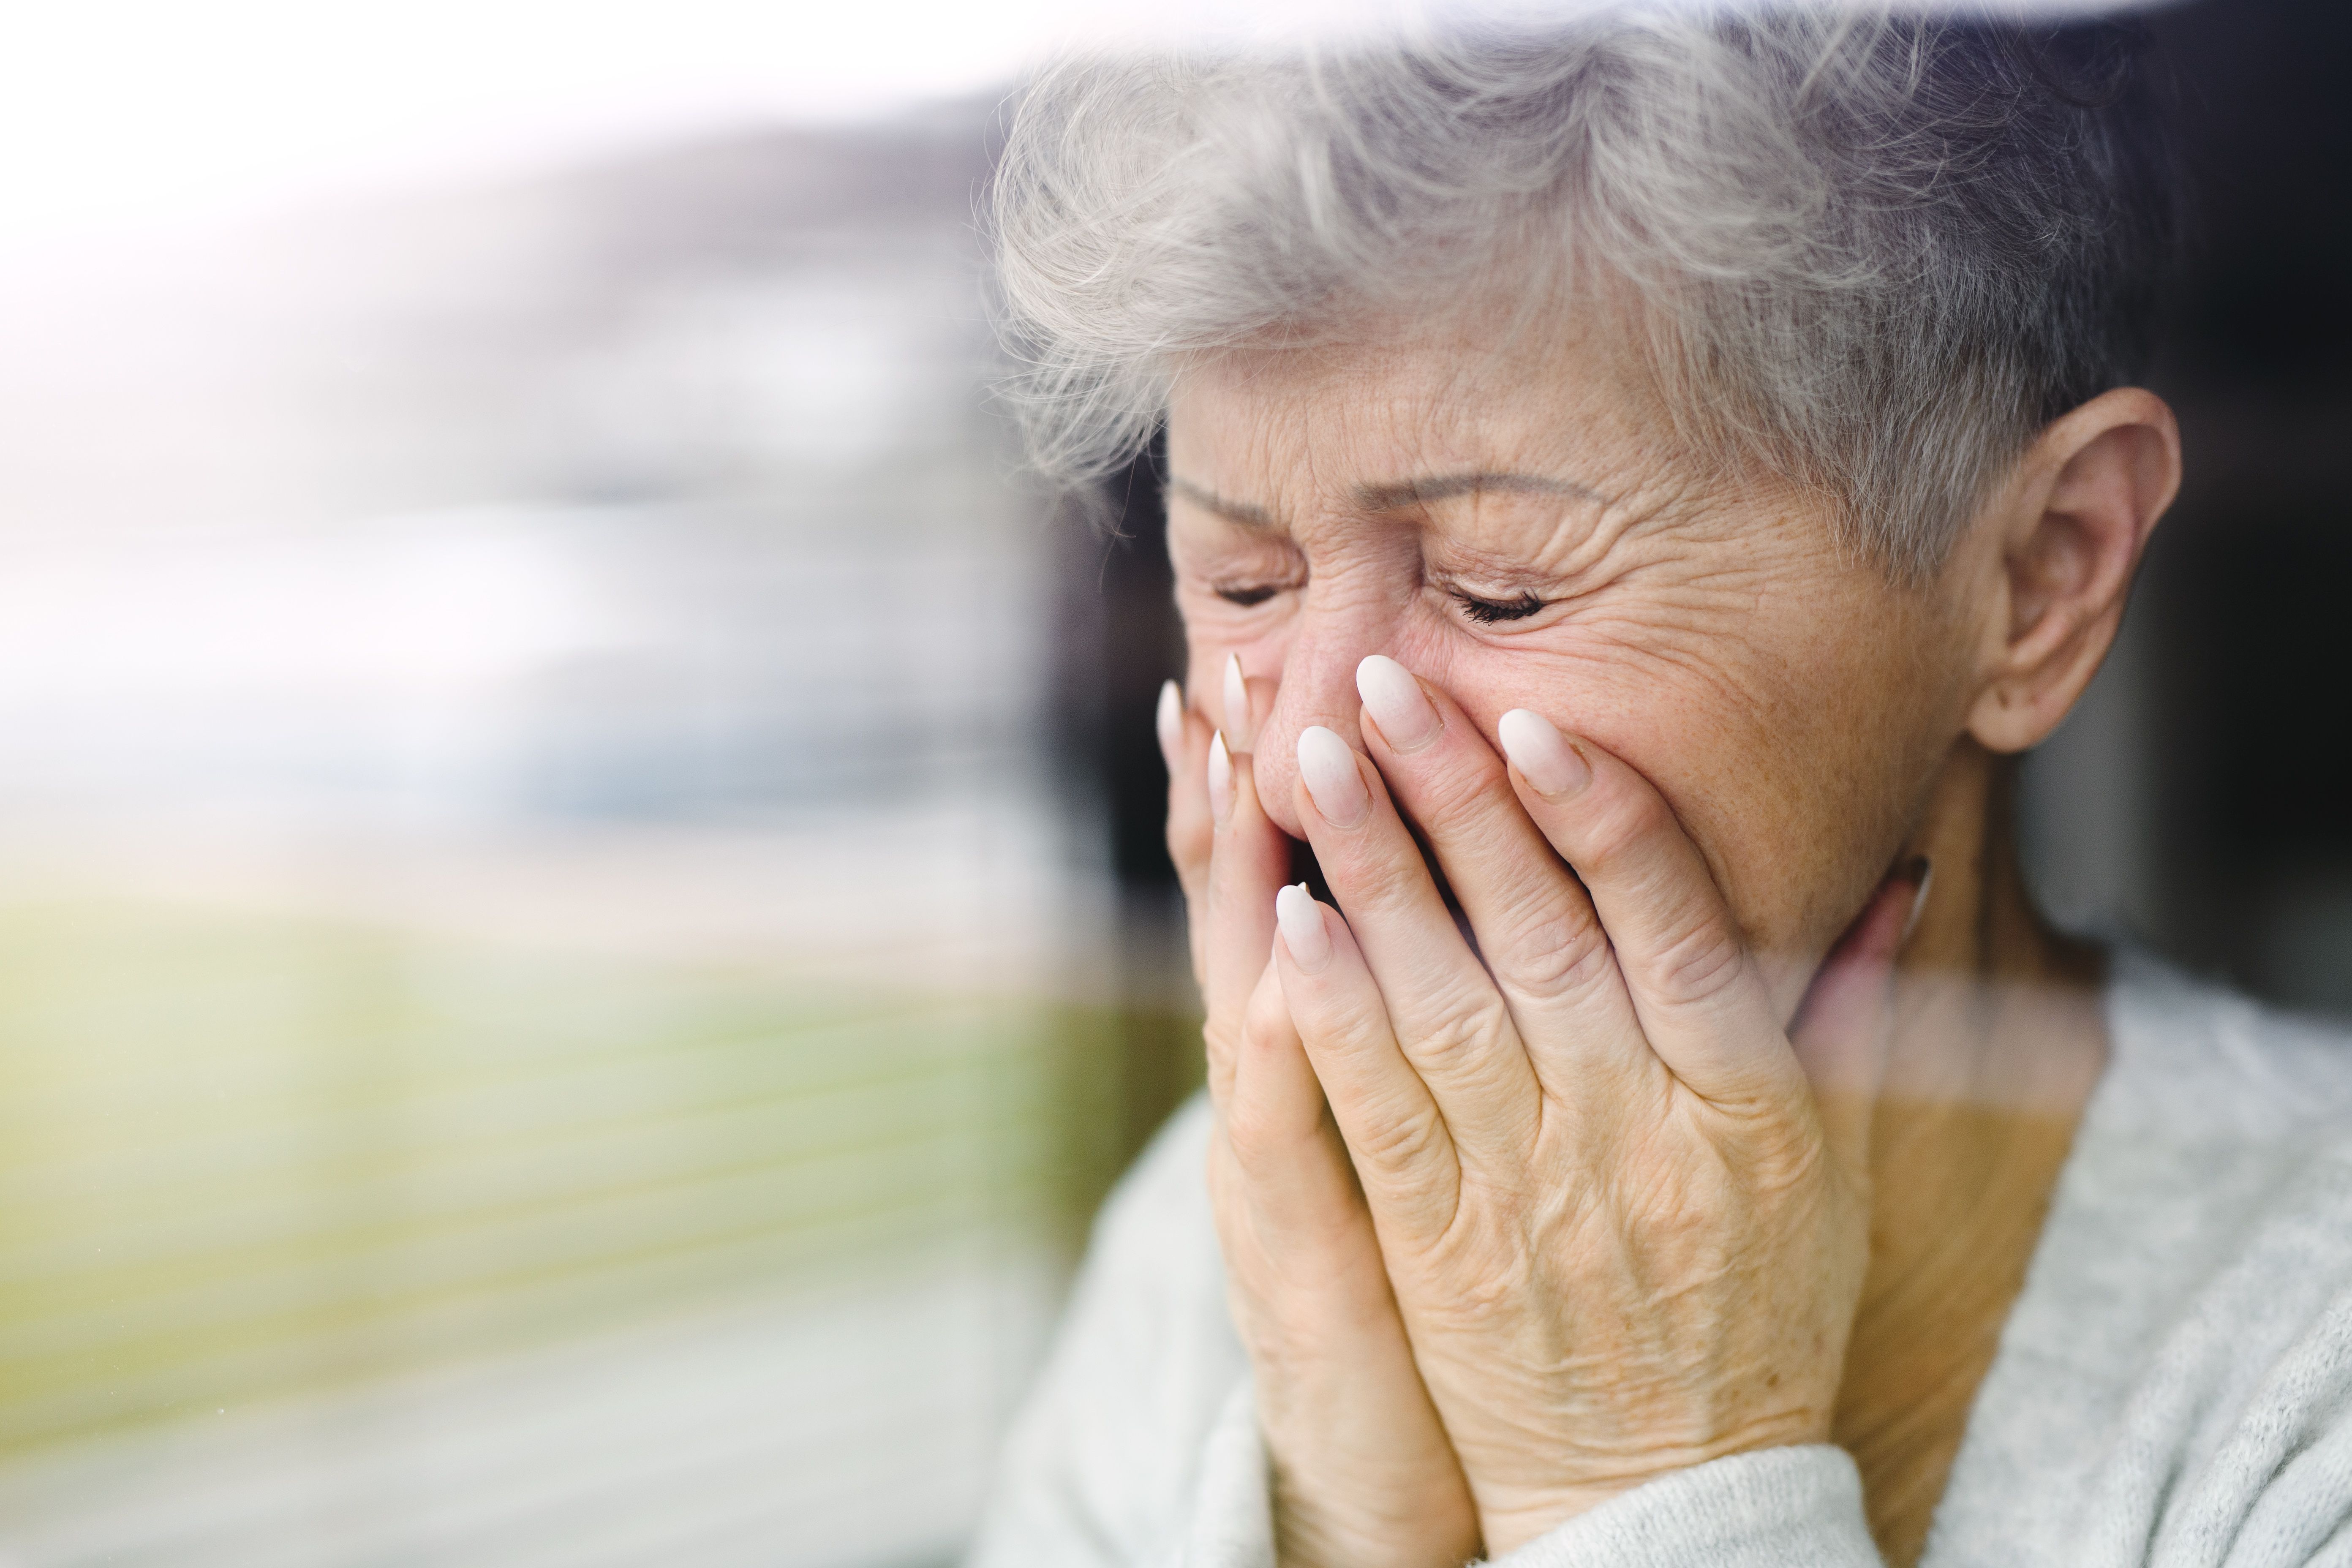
2244 601
1142 646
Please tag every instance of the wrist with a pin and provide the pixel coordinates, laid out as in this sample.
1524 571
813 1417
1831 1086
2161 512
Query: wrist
1511 1516
1396 1532
1509 1525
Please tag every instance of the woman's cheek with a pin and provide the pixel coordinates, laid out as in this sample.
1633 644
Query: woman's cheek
1259 633
1790 831
1713 752
1731 788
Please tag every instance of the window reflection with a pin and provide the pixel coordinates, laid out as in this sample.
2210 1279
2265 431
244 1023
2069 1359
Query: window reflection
582 917
541 1011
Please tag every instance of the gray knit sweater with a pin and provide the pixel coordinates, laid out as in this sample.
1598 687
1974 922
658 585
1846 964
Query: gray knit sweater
2173 1387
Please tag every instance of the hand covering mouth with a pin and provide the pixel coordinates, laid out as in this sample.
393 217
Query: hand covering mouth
1305 868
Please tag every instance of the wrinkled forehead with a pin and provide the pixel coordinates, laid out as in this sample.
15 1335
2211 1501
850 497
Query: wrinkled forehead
1496 389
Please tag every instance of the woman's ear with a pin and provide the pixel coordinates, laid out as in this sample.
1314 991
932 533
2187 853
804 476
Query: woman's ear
2070 530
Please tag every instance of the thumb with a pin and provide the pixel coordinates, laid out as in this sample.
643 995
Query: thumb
1846 1022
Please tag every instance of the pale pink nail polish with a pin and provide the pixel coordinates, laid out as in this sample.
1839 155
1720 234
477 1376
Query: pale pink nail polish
1542 755
1397 704
1170 721
1221 778
1238 706
1303 931
1328 763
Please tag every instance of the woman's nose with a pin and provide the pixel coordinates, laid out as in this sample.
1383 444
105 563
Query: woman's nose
1316 685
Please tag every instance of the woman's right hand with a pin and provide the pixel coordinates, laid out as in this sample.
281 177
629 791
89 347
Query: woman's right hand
1363 1473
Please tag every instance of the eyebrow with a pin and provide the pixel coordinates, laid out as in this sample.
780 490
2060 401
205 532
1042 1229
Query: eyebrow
1431 490
1426 490
1238 511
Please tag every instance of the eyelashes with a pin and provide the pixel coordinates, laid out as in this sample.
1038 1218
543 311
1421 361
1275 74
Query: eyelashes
1251 594
1487 612
1484 612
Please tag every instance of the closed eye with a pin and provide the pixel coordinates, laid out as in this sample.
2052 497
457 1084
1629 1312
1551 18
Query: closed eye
1487 611
1246 594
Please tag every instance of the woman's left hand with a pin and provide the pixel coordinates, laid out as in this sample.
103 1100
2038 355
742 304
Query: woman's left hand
1624 1211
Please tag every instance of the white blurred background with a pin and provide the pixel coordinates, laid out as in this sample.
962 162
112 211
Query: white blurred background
545 999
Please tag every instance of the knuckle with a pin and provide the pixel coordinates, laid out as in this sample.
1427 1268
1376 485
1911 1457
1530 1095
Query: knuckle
1266 1022
1251 1139
1697 962
1619 829
1462 782
1460 1034
1681 1224
1219 1068
1560 954
1352 1020
1387 880
1398 1142
1483 839
1189 840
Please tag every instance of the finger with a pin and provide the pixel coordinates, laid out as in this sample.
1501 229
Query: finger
1452 1024
1280 1130
1249 858
1700 999
1339 1395
1243 703
1168 722
1535 929
1393 1125
1185 747
1847 1018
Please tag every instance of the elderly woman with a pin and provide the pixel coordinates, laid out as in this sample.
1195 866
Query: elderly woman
1633 490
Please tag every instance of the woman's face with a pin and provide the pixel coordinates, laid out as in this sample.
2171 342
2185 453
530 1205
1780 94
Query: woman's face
1516 526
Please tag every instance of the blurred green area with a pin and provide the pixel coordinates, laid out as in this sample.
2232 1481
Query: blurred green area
245 1157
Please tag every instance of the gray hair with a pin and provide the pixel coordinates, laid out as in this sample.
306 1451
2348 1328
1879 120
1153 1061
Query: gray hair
1875 252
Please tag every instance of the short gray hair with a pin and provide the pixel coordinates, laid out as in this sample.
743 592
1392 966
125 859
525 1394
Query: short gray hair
1876 252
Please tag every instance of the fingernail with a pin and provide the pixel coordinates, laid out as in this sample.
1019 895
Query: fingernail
1543 757
1170 721
1926 871
1394 700
1237 712
1221 778
1328 763
1302 931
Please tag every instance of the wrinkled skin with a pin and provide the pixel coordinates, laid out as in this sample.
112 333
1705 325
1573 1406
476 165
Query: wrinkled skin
1512 1228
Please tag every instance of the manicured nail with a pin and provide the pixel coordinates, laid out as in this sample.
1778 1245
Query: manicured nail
1328 763
1543 757
1170 721
1221 778
1302 931
1925 869
1237 712
1395 701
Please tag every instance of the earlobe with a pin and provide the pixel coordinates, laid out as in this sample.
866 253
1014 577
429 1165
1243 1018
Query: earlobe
2072 527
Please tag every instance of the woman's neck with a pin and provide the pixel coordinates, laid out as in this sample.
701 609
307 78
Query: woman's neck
2000 1037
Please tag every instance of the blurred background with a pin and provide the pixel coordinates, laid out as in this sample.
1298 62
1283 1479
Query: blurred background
582 918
